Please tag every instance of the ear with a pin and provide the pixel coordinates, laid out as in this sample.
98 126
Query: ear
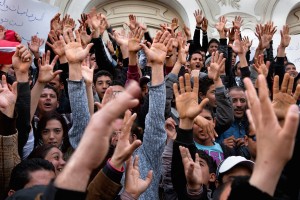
212 177
10 192
57 104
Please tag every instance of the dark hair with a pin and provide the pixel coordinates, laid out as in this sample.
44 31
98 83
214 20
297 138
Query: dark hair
204 84
41 151
20 174
102 73
117 82
43 123
238 88
192 53
52 88
288 63
137 130
212 165
210 109
213 40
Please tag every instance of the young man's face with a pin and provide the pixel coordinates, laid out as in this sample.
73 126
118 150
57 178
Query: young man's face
239 102
48 101
291 69
211 96
213 47
102 83
196 61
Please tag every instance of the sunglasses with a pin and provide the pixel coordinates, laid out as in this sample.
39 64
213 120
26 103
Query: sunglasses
253 137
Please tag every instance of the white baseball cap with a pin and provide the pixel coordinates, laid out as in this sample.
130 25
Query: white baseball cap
233 161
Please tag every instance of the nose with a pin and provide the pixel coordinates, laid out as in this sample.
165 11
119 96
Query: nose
62 162
51 136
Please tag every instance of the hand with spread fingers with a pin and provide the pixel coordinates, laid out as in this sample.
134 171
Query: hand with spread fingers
283 97
56 44
192 169
158 51
8 97
238 46
270 136
187 101
132 24
134 41
260 66
134 185
56 24
73 49
46 73
87 71
237 22
125 147
199 17
285 36
214 68
34 45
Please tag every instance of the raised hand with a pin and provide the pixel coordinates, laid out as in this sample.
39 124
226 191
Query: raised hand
85 38
187 32
285 37
124 148
192 170
158 51
57 45
204 25
216 63
283 97
247 42
238 46
260 65
271 137
68 23
132 24
135 38
56 24
207 126
21 59
134 185
87 71
46 73
8 97
108 96
73 49
199 17
183 50
174 26
170 128
220 26
187 101
35 44
110 47
121 39
237 22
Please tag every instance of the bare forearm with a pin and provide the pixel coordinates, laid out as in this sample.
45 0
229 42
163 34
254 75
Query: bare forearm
89 93
157 74
75 72
35 96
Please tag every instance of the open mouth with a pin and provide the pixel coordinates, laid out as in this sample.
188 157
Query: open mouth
47 105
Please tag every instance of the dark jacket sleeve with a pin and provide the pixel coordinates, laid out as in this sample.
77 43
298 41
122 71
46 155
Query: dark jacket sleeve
184 138
101 58
23 119
204 41
196 39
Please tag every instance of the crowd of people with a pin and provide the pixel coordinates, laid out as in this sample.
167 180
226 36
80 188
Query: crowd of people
166 116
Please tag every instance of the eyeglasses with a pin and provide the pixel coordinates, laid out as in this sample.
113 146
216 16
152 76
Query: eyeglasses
253 137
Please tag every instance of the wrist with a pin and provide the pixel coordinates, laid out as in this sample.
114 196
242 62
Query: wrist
96 33
116 164
218 82
194 187
9 111
75 72
21 77
63 59
186 123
